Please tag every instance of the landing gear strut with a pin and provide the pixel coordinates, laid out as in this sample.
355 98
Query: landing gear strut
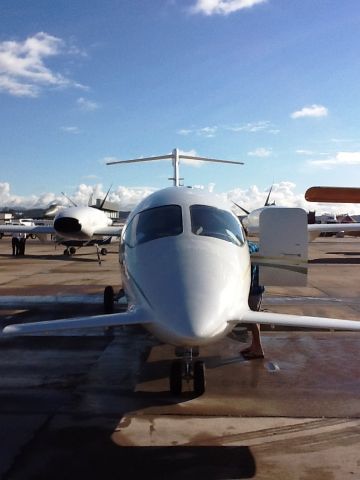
187 369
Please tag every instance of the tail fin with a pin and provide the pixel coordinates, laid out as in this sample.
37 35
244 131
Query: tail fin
175 156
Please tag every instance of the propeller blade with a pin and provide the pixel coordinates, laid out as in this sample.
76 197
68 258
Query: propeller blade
268 197
70 200
241 208
104 200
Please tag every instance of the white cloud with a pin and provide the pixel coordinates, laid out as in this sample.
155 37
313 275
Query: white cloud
71 129
207 132
341 159
283 194
254 127
313 111
8 199
211 131
23 72
91 176
223 7
304 152
260 152
184 131
87 105
190 153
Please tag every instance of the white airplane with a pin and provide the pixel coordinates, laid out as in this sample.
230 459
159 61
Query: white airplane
85 224
185 266
252 224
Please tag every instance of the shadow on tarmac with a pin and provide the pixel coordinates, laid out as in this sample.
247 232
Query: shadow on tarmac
94 455
338 261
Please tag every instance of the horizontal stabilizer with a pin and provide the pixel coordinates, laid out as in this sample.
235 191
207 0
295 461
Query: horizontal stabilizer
131 317
279 319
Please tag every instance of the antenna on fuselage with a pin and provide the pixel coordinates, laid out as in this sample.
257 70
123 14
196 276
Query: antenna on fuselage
175 156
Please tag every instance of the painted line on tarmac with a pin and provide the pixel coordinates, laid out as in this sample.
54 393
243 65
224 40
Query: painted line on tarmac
310 300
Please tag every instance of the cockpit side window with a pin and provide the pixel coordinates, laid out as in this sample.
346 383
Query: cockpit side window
214 222
154 223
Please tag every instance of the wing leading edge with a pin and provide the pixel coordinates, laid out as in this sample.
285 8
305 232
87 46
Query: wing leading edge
299 321
27 229
131 317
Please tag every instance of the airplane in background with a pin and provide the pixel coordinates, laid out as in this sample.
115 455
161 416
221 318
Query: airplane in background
252 224
185 267
74 227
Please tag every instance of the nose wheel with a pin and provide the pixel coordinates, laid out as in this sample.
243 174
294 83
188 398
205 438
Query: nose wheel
110 298
186 369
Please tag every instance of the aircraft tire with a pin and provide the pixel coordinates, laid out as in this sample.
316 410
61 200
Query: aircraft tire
199 377
72 251
109 299
176 377
103 251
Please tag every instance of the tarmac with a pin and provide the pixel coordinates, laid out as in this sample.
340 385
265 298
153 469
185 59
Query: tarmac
98 406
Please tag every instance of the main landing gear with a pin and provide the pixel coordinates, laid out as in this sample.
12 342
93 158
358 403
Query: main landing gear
69 251
187 369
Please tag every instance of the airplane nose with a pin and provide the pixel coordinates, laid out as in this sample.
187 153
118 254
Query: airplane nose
67 225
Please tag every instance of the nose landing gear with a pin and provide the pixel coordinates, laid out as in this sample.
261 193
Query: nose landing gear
187 369
110 298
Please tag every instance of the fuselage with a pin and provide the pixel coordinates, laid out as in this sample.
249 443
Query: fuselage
186 262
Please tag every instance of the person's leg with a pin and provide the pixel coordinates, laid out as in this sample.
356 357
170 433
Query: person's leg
255 350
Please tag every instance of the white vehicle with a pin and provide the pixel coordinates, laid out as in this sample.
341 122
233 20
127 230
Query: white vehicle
186 265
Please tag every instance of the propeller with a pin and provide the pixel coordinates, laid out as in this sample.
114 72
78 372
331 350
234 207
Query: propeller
241 208
104 199
268 197
70 200
266 204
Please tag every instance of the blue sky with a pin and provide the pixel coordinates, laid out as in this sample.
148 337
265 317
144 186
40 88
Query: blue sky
273 83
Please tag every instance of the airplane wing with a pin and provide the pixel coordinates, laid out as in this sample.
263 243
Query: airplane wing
333 194
334 227
111 231
133 316
315 229
299 321
36 229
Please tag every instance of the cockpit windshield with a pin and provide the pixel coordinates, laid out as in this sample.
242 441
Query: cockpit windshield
217 223
154 223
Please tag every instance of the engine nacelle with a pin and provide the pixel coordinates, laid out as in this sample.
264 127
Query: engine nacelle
80 223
